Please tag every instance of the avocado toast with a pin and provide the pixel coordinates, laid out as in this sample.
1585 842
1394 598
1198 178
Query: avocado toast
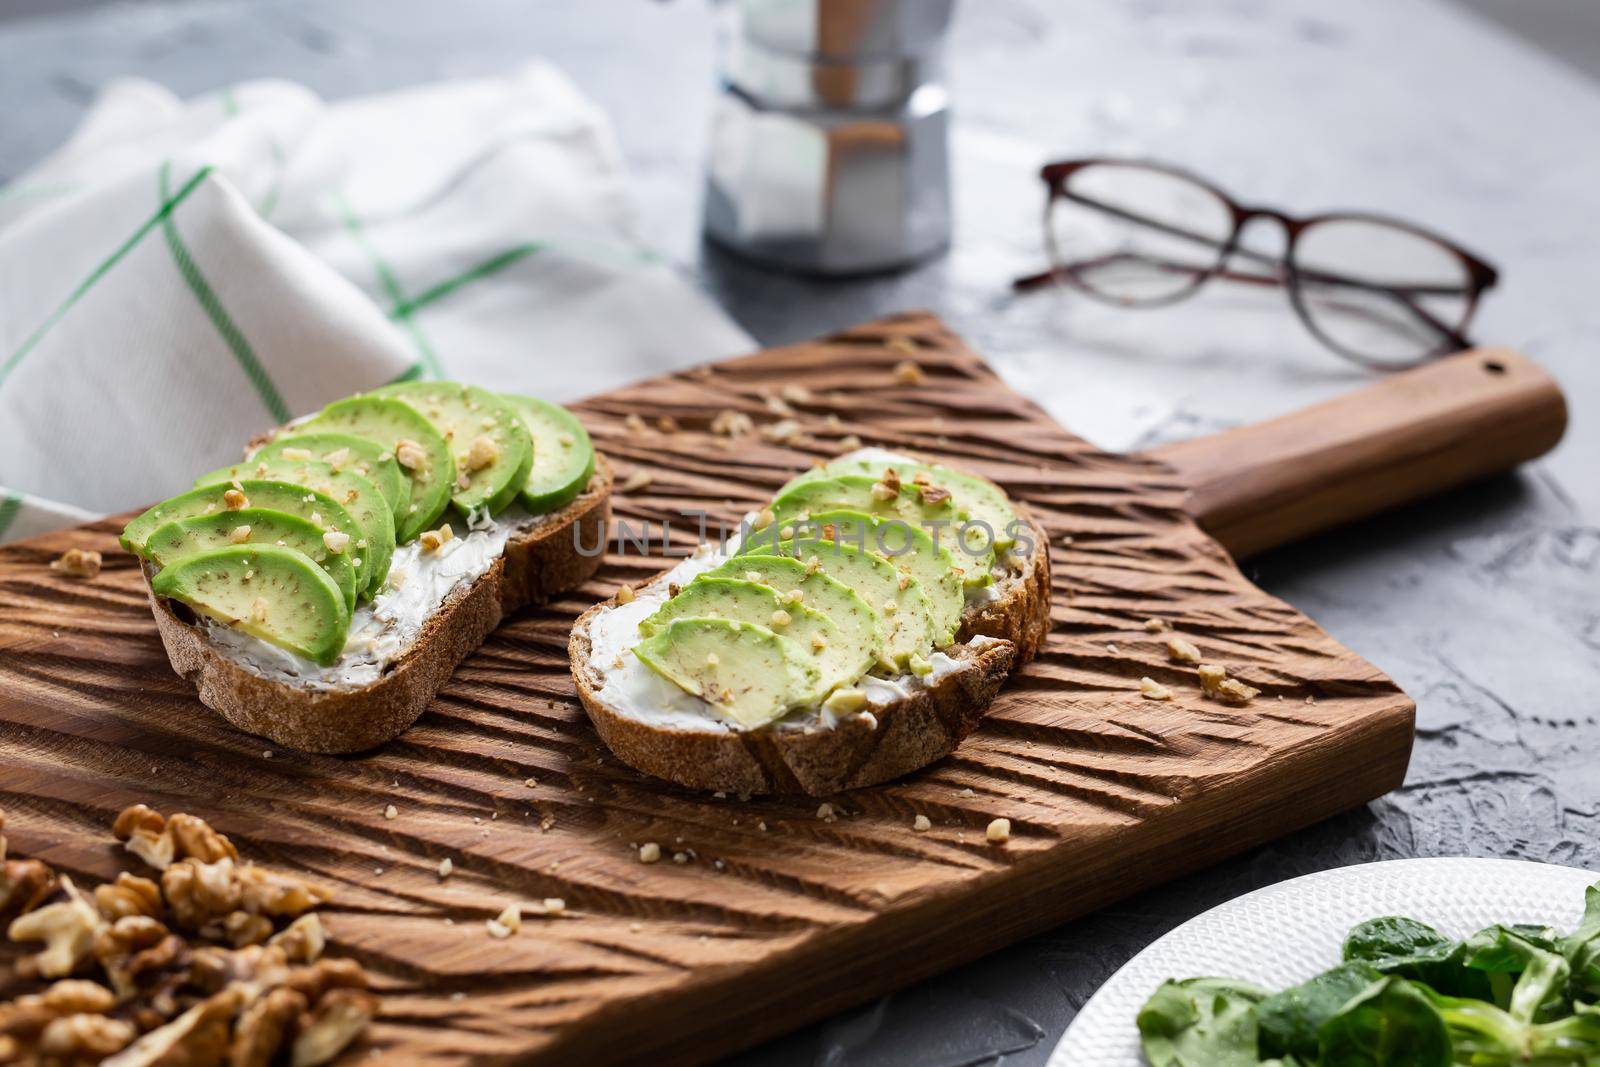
856 630
319 592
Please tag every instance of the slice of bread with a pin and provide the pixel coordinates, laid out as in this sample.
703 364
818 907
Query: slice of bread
816 757
537 563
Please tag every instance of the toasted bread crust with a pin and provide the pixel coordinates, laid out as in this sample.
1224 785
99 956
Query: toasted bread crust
533 568
862 750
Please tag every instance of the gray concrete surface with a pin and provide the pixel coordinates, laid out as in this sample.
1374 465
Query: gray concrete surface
1482 604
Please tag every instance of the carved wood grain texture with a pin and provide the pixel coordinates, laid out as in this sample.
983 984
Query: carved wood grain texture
762 929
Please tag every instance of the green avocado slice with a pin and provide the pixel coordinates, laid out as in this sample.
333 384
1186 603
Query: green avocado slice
175 540
372 551
928 508
909 549
340 450
980 498
838 662
319 508
425 459
276 594
748 672
563 455
908 626
464 415
860 624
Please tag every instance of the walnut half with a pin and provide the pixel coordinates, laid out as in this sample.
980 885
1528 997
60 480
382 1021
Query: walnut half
340 1016
67 927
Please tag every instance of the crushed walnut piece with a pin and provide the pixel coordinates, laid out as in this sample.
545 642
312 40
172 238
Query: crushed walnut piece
1151 689
649 852
1180 650
410 454
796 393
235 500
634 422
298 455
1156 626
481 453
508 922
921 824
730 423
909 372
336 541
239 534
625 594
433 540
1217 685
82 564
636 480
998 832
782 432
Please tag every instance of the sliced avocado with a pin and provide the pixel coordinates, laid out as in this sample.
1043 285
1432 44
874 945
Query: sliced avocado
980 498
172 542
908 627
563 455
276 594
340 450
391 424
466 417
838 661
909 549
746 671
319 508
860 624
930 509
364 501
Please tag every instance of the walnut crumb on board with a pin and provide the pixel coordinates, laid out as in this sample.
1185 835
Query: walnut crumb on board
79 563
998 832
909 372
784 431
1180 650
636 481
649 852
1217 685
1156 626
634 422
1151 689
921 824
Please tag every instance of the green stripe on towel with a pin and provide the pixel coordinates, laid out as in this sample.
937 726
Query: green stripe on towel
99 272
390 284
10 505
492 265
231 335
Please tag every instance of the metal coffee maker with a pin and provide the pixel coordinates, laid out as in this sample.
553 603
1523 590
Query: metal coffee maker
829 134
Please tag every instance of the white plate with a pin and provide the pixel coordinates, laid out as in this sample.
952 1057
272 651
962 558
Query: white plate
1286 933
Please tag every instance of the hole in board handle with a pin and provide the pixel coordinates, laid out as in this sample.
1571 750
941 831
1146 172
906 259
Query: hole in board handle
1494 366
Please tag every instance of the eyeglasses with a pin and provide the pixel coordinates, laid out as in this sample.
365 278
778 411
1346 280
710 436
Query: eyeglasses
1384 293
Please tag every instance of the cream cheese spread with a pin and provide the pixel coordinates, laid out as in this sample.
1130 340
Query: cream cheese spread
383 629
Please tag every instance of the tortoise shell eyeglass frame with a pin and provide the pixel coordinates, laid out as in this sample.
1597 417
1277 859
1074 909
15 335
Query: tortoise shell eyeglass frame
1283 271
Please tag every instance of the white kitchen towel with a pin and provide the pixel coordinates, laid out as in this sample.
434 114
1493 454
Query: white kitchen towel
183 274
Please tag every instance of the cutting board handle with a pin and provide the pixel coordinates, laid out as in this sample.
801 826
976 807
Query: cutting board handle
1416 433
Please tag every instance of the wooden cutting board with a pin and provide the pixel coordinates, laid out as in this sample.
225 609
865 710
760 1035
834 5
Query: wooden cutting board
778 917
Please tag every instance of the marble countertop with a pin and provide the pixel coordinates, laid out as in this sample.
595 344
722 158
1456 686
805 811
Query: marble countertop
1483 604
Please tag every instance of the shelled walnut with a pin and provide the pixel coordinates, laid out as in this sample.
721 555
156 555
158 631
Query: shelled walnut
170 998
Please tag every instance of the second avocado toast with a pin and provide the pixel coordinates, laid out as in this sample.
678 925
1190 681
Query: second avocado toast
856 631
317 593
